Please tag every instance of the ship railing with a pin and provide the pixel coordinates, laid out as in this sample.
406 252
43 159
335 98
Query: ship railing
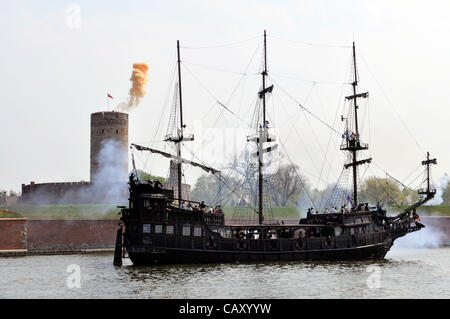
323 218
353 145
425 191
215 219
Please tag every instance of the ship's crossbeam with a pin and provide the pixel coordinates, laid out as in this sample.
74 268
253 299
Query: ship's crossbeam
180 139
267 150
270 138
266 90
368 160
430 161
359 95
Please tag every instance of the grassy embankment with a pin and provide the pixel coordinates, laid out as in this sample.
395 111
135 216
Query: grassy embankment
102 211
99 211
6 213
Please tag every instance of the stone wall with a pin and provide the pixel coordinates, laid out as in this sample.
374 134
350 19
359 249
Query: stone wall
13 233
74 193
109 126
71 235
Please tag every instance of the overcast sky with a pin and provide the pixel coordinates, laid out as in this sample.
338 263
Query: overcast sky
58 60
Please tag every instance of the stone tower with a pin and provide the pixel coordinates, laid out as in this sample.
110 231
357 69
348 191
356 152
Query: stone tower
109 146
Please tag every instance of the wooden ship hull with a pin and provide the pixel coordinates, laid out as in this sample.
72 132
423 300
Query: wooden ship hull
196 251
172 235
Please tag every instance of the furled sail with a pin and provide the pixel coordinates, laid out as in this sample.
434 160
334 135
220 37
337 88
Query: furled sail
168 155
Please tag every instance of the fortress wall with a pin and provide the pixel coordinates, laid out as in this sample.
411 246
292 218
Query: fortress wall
13 233
71 235
73 193
50 193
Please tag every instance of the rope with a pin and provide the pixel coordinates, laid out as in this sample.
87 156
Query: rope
218 69
312 44
301 180
392 105
169 89
306 80
219 176
304 108
220 45
212 95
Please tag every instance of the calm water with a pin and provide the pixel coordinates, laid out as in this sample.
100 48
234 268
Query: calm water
405 273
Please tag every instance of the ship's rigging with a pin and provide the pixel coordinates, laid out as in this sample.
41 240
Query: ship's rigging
176 132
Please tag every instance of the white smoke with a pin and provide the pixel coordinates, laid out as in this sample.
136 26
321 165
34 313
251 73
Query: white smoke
443 183
111 163
428 237
110 181
108 185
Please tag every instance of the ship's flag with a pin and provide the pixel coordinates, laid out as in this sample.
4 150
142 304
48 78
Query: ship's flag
109 95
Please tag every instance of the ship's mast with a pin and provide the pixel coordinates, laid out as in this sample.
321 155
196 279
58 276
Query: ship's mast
353 143
181 125
261 133
355 172
428 191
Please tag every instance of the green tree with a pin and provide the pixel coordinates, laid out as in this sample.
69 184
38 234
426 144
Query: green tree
210 189
446 195
374 189
286 185
142 175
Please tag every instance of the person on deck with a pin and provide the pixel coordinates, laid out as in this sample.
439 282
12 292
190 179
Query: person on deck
346 135
352 139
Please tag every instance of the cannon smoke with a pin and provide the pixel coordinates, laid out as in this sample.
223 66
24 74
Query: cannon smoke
139 78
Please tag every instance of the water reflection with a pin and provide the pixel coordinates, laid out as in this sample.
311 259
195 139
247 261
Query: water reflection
409 273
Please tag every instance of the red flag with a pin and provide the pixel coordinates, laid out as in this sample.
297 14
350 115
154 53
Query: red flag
109 95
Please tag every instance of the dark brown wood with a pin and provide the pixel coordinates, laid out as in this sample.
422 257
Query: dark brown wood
262 128
179 166
354 153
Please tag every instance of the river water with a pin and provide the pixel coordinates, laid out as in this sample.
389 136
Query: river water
405 273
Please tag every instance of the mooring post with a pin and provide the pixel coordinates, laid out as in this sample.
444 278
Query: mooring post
118 249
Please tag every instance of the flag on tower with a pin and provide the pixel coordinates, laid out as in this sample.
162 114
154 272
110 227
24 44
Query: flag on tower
109 95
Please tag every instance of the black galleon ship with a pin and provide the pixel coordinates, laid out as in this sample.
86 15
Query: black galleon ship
160 227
